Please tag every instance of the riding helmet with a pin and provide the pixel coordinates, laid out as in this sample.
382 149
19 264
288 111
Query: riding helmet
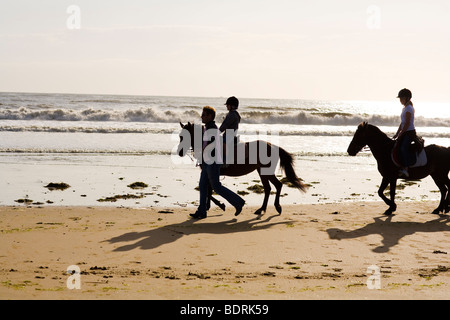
232 101
405 93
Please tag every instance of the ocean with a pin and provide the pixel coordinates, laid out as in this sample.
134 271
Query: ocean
42 135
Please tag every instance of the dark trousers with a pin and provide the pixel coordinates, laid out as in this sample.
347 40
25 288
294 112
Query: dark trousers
210 176
407 156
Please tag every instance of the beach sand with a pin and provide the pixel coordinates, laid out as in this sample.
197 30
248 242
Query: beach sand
310 251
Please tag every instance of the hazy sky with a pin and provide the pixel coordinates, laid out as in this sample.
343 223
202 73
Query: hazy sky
323 49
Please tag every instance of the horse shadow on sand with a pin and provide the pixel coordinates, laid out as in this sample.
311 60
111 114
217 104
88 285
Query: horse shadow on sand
391 231
156 237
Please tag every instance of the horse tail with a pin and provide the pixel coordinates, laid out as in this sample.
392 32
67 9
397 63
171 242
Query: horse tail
286 163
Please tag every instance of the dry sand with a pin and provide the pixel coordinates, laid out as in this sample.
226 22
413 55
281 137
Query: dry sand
317 251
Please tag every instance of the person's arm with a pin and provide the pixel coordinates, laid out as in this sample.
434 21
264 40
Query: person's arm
227 122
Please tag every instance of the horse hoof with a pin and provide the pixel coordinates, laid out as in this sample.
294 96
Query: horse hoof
258 212
437 211
278 209
388 212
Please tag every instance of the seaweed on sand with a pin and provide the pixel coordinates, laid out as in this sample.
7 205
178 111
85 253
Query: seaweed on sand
137 185
57 186
121 197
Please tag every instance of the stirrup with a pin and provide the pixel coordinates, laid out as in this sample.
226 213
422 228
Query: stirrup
403 173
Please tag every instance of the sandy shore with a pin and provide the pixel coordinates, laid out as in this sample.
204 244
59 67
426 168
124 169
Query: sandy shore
311 251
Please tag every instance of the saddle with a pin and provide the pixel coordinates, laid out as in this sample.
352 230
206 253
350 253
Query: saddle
417 150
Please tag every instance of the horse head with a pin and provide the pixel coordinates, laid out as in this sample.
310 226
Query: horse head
191 138
359 139
186 139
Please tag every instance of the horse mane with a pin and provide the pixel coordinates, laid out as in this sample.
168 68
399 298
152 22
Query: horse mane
191 126
376 131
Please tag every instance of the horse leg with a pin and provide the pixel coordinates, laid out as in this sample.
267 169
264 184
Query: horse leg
389 202
278 185
393 207
266 185
443 189
383 186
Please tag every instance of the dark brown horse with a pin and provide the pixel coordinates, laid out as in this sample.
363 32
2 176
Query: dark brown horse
266 170
381 145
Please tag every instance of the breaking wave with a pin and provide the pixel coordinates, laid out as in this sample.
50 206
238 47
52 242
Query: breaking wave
174 116
90 114
149 130
334 119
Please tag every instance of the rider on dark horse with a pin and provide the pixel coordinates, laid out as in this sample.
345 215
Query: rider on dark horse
406 132
211 170
230 124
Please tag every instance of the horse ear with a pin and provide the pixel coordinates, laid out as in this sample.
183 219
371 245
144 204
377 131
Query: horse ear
189 124
365 123
182 125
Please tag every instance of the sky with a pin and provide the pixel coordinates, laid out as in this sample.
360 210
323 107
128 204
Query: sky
293 49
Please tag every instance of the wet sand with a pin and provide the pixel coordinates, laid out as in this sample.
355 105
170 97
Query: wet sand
310 251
